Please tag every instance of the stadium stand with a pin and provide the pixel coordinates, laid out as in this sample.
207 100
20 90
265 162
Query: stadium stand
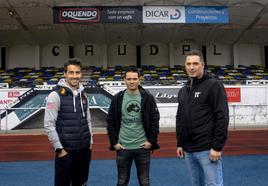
151 75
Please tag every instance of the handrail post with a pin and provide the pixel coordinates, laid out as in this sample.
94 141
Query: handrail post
6 120
234 117
1 120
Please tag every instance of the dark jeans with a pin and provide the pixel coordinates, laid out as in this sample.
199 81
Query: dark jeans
72 169
124 159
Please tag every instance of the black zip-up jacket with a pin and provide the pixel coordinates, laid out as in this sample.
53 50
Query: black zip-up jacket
202 116
150 118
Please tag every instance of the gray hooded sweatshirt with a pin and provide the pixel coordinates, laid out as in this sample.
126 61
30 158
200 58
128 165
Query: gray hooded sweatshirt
51 113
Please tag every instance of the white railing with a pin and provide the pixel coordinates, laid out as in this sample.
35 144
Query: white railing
257 82
241 116
4 85
248 115
11 120
109 90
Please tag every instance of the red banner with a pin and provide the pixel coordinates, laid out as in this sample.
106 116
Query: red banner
233 94
13 94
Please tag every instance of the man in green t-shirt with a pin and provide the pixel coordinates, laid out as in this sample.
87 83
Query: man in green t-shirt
133 127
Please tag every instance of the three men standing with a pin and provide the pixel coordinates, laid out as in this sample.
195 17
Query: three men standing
133 126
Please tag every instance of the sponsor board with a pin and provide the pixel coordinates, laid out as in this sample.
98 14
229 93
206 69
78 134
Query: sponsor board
163 14
141 14
76 14
206 14
120 14
165 95
170 94
233 94
8 96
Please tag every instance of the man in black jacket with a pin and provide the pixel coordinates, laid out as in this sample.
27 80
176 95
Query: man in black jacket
202 123
133 127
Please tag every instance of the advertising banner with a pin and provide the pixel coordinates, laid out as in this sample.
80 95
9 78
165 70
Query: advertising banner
7 96
233 94
167 94
76 14
139 14
163 14
121 14
206 14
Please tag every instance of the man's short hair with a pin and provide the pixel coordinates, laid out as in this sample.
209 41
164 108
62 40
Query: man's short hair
72 61
195 53
131 69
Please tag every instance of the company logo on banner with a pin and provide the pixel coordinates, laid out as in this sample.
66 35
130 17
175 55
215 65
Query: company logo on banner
164 95
233 94
206 14
161 94
74 15
8 96
164 14
121 14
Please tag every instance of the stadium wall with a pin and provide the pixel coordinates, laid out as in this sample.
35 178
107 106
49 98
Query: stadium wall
54 55
155 54
20 55
220 55
250 109
250 54
121 54
158 54
91 54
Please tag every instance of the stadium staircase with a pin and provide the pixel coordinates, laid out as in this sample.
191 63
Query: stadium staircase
100 98
24 108
31 105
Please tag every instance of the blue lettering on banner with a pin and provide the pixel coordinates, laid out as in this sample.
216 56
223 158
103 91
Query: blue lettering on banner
176 15
206 14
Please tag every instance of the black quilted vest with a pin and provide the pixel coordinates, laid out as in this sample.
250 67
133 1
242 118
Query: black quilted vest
72 127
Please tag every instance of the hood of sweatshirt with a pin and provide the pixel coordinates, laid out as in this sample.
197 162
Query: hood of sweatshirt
75 93
193 81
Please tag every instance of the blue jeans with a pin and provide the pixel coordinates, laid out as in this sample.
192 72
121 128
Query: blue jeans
202 170
124 159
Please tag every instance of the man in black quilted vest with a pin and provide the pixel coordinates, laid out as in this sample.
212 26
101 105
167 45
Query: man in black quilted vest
68 126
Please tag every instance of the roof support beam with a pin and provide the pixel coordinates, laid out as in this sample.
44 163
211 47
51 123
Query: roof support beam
14 14
252 24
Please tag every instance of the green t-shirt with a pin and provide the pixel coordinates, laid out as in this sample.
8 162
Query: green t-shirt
131 134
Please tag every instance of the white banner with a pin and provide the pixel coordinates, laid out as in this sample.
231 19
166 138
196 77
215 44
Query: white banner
7 96
163 14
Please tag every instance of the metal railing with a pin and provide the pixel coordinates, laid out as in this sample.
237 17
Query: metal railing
5 111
